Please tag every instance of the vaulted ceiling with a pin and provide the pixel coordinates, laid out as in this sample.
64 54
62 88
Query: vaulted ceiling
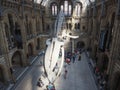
46 2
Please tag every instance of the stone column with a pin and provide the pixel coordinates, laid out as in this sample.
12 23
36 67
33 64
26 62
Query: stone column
24 40
4 60
4 42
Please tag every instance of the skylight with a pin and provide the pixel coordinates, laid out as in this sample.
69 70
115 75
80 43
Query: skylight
44 2
37 1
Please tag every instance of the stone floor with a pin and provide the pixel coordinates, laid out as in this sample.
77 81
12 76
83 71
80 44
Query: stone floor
79 77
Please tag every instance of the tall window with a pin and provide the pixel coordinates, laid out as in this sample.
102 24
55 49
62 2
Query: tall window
77 9
70 9
54 9
37 1
66 7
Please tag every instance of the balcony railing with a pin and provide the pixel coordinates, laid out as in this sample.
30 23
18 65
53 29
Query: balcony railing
30 36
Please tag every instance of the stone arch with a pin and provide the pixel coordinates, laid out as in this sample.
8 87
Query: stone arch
115 81
30 49
14 13
80 45
16 59
17 64
55 4
10 26
52 2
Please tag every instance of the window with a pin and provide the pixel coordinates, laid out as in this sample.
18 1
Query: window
66 7
54 9
77 10
37 1
70 8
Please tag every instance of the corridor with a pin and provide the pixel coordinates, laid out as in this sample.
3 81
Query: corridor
79 77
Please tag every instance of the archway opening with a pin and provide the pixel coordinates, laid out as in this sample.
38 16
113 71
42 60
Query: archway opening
16 61
80 45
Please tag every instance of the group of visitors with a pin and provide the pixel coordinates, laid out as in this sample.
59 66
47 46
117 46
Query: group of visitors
50 86
40 83
101 78
71 57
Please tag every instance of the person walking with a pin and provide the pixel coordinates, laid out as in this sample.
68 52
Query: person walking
65 74
73 57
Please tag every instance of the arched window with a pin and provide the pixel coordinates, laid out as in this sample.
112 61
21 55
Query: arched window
77 9
54 9
66 7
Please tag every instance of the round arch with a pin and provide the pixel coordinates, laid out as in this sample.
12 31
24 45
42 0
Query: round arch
80 45
12 12
15 26
17 59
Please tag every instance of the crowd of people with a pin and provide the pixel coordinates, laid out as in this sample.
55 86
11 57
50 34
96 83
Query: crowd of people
69 58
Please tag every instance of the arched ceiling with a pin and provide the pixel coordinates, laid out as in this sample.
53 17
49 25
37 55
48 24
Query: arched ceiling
84 2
